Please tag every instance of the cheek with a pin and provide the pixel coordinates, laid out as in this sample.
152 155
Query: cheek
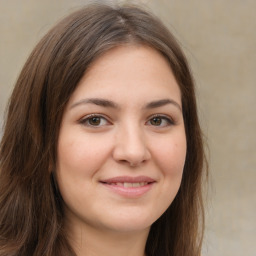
175 158
81 154
79 158
170 156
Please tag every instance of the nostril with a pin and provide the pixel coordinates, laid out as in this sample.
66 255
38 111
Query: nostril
131 150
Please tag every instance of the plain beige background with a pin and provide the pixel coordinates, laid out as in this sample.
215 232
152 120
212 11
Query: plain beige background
219 38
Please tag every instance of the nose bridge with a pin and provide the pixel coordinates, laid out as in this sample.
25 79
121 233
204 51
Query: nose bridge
130 145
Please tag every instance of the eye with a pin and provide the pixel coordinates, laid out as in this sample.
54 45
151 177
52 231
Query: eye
94 121
160 121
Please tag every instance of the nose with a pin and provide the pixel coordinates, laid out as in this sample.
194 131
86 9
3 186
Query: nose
131 147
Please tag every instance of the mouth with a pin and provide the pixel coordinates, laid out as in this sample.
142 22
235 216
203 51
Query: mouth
132 187
127 184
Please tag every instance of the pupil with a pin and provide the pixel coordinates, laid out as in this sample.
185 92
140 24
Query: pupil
156 121
94 121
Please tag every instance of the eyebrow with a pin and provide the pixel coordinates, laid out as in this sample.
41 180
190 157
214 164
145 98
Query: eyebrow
111 104
163 102
96 101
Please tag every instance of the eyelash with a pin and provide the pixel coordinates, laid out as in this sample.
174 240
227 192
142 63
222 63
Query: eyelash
169 121
85 121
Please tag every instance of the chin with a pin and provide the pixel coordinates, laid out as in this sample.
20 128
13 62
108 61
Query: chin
130 223
129 227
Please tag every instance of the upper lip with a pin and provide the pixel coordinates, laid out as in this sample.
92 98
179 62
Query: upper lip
128 179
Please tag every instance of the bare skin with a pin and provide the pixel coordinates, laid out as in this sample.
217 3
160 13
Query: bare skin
121 151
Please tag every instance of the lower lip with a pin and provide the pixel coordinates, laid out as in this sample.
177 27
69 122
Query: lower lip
132 192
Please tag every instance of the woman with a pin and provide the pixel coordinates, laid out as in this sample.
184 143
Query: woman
102 150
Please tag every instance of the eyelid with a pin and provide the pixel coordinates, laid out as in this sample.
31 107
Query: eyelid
84 119
169 119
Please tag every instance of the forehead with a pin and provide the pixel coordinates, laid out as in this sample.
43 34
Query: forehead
135 70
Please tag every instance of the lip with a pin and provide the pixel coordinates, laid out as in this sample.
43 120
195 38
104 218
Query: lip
128 179
130 187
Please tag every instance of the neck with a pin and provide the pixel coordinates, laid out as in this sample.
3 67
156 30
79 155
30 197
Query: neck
89 241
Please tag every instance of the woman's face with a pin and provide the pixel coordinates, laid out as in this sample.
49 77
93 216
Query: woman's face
122 144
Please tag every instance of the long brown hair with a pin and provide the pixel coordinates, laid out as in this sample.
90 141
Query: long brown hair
31 215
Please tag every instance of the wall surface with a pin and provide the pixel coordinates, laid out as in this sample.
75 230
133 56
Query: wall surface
219 39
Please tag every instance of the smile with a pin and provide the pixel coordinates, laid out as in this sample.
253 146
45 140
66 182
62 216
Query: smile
129 187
